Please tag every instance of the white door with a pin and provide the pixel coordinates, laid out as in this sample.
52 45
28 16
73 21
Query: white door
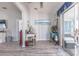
42 32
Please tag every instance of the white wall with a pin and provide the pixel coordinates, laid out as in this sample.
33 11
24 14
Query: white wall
12 15
53 19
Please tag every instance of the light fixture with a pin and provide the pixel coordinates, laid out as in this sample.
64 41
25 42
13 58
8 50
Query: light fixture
36 8
41 4
4 8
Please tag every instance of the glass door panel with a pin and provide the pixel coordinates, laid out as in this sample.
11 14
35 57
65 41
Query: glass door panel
69 27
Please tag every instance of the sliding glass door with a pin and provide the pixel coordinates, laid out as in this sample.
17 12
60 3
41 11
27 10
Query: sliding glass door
69 28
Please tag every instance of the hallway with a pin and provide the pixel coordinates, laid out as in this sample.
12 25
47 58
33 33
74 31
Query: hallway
42 48
38 22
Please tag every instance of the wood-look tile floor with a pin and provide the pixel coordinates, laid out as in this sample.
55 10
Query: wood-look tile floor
42 48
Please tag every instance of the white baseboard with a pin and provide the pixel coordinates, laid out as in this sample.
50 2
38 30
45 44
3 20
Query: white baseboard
42 39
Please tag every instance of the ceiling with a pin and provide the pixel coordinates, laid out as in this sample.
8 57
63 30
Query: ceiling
6 6
48 7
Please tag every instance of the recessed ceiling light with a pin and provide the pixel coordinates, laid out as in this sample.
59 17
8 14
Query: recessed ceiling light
35 8
4 8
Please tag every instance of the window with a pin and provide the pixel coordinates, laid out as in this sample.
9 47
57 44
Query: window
68 27
2 25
